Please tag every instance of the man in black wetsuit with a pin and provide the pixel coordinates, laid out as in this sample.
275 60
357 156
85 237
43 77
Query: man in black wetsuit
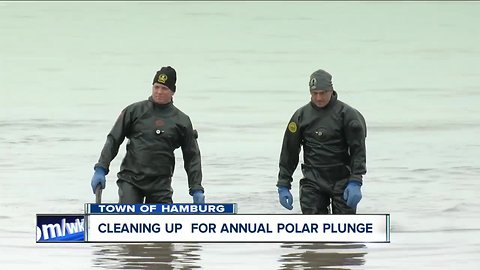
154 128
332 135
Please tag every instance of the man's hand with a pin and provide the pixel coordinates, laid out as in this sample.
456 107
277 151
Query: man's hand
352 194
285 197
98 178
198 197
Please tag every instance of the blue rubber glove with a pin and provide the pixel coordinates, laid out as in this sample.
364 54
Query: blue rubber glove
198 197
285 197
98 178
352 193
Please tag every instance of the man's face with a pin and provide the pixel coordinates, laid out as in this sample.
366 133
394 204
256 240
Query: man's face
161 94
321 97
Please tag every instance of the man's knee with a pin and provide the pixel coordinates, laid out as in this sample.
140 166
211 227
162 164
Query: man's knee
128 193
312 199
159 198
339 206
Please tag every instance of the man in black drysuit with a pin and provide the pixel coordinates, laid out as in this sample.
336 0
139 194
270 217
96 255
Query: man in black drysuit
154 128
332 135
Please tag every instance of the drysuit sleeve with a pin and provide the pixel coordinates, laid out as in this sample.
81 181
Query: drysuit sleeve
289 155
114 139
356 133
192 158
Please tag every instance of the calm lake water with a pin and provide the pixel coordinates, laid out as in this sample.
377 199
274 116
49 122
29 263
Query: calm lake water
412 69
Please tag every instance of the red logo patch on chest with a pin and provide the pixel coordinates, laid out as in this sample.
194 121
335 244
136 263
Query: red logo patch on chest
159 123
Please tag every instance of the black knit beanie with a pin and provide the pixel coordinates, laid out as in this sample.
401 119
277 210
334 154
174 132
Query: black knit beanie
166 76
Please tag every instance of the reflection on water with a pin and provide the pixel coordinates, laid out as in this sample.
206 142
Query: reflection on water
147 256
187 256
323 256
